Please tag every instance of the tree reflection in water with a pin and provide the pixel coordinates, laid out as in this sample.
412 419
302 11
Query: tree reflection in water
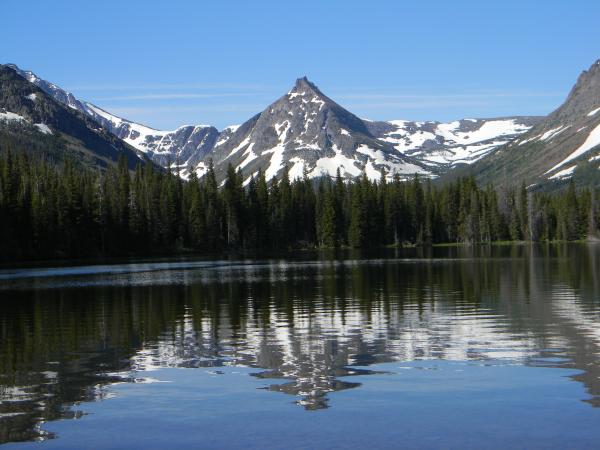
307 325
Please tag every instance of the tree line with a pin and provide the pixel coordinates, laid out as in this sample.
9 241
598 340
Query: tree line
49 210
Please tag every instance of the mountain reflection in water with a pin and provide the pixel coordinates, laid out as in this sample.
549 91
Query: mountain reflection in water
307 325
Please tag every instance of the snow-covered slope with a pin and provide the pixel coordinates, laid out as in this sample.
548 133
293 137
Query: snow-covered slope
440 146
187 145
565 144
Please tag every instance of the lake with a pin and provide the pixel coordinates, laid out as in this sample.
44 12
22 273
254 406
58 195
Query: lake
451 347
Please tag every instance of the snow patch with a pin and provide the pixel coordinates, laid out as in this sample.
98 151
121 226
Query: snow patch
43 128
201 169
444 144
550 134
592 141
239 147
593 112
395 167
10 117
247 180
525 141
297 169
329 166
232 128
138 135
563 173
489 130
250 156
282 130
318 101
372 173
276 162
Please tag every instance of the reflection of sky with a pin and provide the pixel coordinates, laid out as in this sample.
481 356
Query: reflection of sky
422 404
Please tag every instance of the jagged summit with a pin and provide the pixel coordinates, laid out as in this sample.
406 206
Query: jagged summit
303 84
585 94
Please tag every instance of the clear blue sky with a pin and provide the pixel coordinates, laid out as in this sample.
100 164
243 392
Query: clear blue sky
176 62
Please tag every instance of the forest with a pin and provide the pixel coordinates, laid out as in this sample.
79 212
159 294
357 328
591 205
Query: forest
50 210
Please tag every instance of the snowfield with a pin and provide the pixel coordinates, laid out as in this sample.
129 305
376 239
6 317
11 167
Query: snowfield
592 141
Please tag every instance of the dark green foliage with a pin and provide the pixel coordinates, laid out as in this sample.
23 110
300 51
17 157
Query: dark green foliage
52 210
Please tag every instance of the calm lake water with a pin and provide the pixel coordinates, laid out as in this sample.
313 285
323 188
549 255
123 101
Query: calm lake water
448 348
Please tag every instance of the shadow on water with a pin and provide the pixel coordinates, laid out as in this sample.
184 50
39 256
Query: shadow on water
308 324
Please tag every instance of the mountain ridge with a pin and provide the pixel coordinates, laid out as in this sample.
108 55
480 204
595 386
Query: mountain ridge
34 116
565 145
293 139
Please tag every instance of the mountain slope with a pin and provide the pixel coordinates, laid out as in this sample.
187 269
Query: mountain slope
565 144
442 146
187 145
310 133
29 117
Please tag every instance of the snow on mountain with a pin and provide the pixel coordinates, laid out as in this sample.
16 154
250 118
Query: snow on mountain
558 146
593 140
26 108
442 145
310 134
7 116
186 145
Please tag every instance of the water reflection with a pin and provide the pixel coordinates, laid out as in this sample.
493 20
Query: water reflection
307 326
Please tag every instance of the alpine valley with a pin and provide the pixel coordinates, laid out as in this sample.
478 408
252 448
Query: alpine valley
308 133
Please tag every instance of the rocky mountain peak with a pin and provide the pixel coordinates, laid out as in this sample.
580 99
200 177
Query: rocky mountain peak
304 83
304 87
589 78
309 133
584 96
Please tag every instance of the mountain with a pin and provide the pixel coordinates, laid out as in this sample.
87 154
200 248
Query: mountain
442 146
565 145
32 120
186 145
308 132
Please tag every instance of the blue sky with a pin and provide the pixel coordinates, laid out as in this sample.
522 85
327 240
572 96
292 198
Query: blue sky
174 62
